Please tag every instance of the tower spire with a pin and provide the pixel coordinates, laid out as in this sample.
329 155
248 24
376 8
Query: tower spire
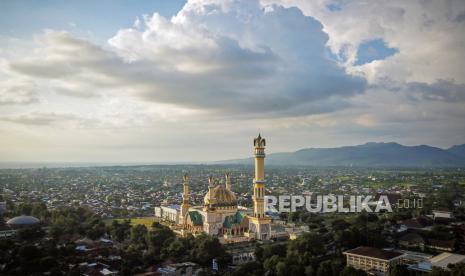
259 223
185 188
185 198
211 182
259 180
228 181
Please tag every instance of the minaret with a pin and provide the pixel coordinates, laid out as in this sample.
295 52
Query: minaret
259 180
211 183
185 198
228 181
259 223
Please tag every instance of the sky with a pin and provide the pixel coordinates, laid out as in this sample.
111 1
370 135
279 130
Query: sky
191 81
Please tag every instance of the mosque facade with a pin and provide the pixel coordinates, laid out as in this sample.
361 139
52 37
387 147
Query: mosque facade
220 214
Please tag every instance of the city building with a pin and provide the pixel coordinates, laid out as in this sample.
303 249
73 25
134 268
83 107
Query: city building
22 222
442 214
13 225
220 214
373 260
442 260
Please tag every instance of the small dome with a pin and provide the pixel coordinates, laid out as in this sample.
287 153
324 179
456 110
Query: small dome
220 196
22 220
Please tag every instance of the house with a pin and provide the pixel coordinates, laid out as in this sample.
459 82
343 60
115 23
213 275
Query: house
7 232
418 223
412 240
441 245
374 261
179 269
442 214
395 199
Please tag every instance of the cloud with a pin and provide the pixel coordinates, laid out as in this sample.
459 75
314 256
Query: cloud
440 90
234 58
427 34
39 118
18 92
221 70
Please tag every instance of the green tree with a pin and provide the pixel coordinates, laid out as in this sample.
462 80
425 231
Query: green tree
399 270
139 237
120 231
350 271
458 270
206 248
281 268
309 271
325 269
270 263
160 238
250 268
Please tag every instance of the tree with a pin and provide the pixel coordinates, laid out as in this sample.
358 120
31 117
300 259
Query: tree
309 271
206 248
439 272
177 249
160 238
31 233
120 231
458 270
350 271
24 209
278 249
270 263
39 210
138 237
250 268
325 269
399 270
97 230
281 268
340 224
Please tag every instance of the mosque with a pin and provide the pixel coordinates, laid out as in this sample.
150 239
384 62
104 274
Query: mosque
220 214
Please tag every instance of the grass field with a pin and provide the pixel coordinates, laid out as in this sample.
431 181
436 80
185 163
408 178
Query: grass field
147 221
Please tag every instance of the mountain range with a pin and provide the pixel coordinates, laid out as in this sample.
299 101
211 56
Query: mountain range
368 155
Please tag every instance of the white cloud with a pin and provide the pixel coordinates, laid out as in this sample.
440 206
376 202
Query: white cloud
18 92
233 58
428 35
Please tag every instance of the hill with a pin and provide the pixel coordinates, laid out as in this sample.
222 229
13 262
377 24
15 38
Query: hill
368 155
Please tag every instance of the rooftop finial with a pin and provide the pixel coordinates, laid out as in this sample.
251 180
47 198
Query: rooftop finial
185 177
211 181
228 181
259 142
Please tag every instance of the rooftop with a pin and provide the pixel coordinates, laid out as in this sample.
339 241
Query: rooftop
23 220
374 252
443 259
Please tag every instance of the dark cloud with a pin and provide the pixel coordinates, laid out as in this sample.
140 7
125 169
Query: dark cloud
441 90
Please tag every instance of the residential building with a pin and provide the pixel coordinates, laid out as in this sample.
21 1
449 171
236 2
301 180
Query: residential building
374 261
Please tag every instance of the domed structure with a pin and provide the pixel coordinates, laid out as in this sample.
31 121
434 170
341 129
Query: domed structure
21 221
219 196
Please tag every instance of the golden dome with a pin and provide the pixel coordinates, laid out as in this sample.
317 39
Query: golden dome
220 196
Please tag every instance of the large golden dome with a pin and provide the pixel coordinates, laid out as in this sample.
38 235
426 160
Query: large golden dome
220 197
